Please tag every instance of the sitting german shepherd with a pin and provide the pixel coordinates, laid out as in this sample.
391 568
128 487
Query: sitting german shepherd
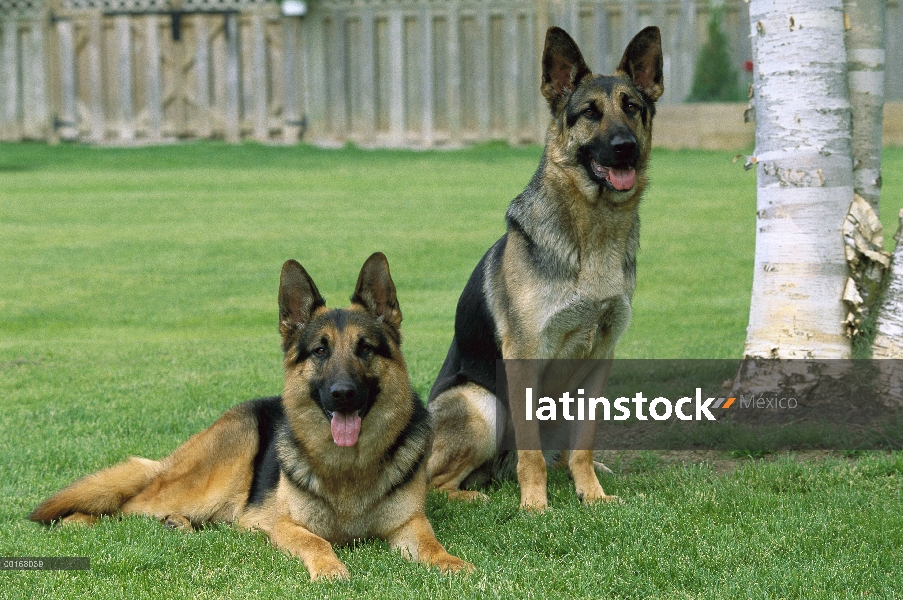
559 283
340 456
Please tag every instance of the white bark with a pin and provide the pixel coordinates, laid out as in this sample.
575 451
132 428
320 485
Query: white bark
804 179
865 40
888 342
865 58
863 237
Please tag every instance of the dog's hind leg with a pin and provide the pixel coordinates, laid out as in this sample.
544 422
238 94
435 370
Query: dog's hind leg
79 518
464 420
207 478
102 493
601 468
179 522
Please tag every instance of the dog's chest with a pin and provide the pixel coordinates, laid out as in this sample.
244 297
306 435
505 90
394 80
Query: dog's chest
339 513
583 325
568 297
583 316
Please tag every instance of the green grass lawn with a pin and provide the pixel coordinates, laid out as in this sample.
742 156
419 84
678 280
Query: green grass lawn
138 301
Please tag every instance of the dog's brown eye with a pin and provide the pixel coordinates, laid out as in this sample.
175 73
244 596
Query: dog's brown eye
320 351
364 349
631 108
591 113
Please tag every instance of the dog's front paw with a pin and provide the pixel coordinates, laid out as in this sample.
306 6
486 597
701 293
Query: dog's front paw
535 502
452 564
601 499
327 568
595 495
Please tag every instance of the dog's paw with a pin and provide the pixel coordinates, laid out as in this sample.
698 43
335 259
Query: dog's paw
597 498
328 569
534 508
452 564
79 518
534 503
467 496
591 493
609 499
601 468
177 522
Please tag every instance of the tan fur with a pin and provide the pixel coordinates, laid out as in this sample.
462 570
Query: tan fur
98 494
560 284
343 494
470 412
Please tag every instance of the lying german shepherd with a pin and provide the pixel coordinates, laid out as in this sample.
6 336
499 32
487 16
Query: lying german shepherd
341 455
559 283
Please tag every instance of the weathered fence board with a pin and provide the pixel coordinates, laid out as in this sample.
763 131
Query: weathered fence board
374 72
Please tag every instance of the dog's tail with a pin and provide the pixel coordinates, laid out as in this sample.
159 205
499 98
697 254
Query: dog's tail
102 493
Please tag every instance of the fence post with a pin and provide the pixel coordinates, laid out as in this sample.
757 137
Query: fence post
259 77
290 56
202 71
686 50
337 67
95 77
154 94
397 108
123 30
426 20
629 22
542 109
570 20
367 61
453 83
513 61
601 60
68 126
232 116
35 100
315 73
481 85
9 59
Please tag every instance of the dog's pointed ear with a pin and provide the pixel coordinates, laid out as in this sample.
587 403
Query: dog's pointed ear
375 291
642 62
298 299
563 68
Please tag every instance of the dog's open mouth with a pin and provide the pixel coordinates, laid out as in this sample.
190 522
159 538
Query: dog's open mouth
346 427
620 179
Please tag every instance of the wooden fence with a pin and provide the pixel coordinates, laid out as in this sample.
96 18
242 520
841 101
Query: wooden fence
375 72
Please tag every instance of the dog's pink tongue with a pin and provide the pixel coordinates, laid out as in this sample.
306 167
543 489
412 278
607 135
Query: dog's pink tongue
345 428
622 179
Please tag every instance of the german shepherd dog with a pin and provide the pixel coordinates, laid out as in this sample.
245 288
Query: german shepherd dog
340 456
559 283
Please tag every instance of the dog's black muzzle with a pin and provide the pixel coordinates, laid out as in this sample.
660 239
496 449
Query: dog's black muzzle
615 152
624 151
345 395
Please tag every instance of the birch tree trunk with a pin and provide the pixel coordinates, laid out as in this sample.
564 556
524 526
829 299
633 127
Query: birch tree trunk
804 179
865 42
865 59
888 342
865 51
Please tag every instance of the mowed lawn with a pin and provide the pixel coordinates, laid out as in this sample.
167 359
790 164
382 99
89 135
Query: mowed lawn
138 301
